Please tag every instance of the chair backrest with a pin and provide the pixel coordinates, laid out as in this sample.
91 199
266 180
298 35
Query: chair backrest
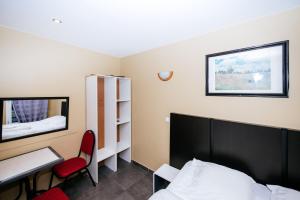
88 142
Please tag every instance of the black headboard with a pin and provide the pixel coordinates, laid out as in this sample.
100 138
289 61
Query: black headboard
269 155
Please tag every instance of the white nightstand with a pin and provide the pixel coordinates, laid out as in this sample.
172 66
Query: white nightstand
163 177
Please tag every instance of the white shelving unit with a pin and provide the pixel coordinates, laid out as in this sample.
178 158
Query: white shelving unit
108 114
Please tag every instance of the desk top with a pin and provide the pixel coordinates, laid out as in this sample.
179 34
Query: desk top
26 164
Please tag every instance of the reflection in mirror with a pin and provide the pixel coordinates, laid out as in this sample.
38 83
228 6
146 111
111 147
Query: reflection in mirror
27 117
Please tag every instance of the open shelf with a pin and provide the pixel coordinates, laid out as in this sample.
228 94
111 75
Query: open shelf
123 112
124 135
123 100
108 103
123 88
121 146
104 153
123 122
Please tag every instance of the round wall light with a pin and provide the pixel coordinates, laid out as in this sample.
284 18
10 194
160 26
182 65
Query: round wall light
165 75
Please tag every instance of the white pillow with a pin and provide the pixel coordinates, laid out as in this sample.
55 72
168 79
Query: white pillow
282 193
261 192
209 181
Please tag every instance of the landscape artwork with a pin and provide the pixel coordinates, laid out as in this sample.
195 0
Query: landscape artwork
252 71
243 72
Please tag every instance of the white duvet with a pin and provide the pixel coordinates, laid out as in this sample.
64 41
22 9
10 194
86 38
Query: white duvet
199 180
22 129
164 195
282 193
207 181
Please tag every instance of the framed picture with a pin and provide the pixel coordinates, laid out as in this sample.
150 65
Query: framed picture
253 71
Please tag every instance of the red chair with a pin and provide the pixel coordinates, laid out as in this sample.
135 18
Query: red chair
54 193
77 164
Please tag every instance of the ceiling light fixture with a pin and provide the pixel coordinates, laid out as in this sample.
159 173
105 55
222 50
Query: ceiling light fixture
55 20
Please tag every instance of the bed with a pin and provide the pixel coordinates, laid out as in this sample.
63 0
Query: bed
264 160
22 129
199 180
194 182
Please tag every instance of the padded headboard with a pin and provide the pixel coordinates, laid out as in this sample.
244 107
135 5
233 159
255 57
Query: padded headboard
269 155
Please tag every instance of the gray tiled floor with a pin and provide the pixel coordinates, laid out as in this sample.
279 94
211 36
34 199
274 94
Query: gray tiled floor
130 182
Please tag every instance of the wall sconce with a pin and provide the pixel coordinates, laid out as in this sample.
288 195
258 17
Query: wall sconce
165 76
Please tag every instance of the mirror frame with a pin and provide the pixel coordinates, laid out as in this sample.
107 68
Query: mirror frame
32 98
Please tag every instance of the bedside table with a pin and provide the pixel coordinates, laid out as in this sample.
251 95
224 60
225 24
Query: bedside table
163 177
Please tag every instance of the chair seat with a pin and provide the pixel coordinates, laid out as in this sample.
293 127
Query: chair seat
54 193
69 166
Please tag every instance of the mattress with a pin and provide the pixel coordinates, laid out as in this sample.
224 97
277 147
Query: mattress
22 129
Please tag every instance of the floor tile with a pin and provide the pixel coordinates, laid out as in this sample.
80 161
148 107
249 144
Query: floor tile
130 182
141 189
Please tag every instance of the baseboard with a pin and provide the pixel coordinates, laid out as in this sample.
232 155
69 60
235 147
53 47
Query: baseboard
142 166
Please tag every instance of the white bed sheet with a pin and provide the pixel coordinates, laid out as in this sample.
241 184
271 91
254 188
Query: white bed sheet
22 129
187 190
164 195
261 192
283 193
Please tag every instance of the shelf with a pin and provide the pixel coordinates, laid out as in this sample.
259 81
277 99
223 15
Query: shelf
121 146
123 77
123 122
104 153
109 115
123 100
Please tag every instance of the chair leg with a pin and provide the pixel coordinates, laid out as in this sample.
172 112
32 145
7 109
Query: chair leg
27 189
34 183
20 190
94 184
51 179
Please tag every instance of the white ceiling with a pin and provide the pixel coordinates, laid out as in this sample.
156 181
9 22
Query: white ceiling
125 27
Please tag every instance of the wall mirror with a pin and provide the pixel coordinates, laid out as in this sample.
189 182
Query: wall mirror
32 116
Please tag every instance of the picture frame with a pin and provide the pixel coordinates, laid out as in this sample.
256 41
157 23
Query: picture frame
32 128
252 71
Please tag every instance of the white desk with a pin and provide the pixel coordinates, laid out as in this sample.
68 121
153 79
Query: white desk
21 166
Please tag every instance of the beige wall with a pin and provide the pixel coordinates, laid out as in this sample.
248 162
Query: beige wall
31 66
153 99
